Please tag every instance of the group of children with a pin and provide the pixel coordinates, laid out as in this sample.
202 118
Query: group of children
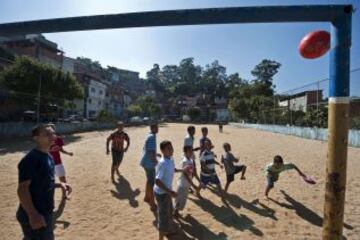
165 170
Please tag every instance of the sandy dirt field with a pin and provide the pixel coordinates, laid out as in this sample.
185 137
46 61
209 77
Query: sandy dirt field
99 209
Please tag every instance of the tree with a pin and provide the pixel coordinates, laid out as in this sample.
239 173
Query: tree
134 109
194 113
214 80
25 75
253 101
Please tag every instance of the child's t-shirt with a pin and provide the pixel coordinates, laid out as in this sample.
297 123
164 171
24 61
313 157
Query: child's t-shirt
208 159
187 165
165 173
274 172
228 160
55 150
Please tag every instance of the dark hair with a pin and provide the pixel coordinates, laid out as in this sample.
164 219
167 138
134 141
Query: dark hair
191 127
38 128
164 144
153 125
187 148
226 145
203 129
278 159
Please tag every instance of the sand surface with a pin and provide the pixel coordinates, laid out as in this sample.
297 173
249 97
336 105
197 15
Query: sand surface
99 209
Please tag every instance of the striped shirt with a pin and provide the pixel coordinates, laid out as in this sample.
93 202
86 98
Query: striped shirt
118 139
202 144
150 146
207 158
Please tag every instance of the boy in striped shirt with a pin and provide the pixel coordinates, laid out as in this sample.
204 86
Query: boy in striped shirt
117 148
208 173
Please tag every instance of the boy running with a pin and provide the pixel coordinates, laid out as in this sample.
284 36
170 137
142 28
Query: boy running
274 169
185 180
228 160
117 139
208 174
163 190
55 150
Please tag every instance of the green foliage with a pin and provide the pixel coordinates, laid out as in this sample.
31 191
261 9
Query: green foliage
25 76
145 106
194 113
105 116
134 109
251 101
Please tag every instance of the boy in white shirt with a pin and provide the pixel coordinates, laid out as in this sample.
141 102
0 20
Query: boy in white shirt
185 180
163 192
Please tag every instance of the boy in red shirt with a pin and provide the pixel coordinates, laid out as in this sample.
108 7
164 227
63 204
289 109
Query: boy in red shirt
55 150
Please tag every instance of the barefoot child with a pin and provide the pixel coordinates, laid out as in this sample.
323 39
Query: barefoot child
207 173
274 169
185 180
204 132
55 150
163 192
117 139
228 160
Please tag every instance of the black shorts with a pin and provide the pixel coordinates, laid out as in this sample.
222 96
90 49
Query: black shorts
231 177
117 157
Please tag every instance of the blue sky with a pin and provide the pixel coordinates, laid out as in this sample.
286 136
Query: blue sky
239 47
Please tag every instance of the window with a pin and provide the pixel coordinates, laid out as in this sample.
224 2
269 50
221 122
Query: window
100 92
99 103
89 100
92 89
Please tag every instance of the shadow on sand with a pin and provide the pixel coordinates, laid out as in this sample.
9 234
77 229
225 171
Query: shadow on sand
255 206
124 191
227 216
190 229
57 214
303 211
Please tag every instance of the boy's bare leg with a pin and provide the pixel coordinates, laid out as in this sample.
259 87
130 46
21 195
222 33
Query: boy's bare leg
227 186
113 173
66 194
221 192
243 173
117 170
267 190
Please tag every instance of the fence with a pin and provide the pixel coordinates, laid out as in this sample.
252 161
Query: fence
307 106
303 132
19 129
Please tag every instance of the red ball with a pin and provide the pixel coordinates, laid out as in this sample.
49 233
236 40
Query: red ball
315 44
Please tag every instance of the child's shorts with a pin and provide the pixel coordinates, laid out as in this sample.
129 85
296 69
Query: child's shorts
231 177
150 175
270 181
59 170
180 200
164 212
213 179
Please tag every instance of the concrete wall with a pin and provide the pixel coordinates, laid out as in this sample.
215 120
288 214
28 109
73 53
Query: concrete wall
19 129
304 132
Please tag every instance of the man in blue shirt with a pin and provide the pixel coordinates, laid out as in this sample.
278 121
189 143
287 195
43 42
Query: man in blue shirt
36 187
148 162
